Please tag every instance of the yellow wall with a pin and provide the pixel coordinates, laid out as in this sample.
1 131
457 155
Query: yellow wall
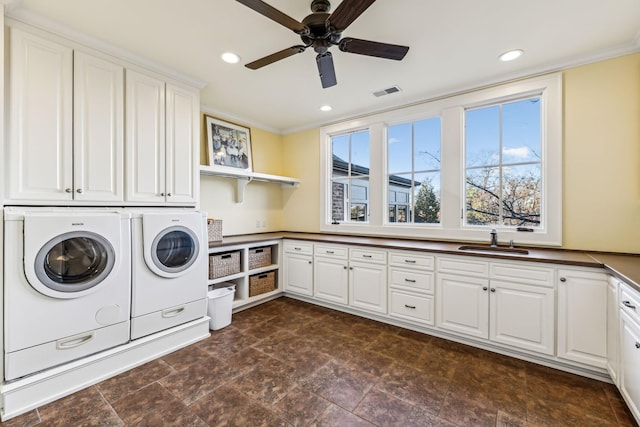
601 171
602 156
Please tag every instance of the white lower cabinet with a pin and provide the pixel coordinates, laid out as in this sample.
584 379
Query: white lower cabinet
629 368
613 329
582 317
368 282
331 274
298 267
518 314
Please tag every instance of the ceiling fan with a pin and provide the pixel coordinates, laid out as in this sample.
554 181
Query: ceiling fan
321 30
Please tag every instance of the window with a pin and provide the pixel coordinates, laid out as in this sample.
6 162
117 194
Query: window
503 164
350 177
413 171
452 168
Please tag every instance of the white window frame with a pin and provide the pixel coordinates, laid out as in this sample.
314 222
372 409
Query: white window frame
451 110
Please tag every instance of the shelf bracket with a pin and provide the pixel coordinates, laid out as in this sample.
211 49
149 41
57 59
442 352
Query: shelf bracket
241 185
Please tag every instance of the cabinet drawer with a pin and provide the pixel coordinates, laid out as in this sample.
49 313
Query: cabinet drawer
420 281
368 255
410 259
416 308
331 251
295 247
463 265
522 273
630 301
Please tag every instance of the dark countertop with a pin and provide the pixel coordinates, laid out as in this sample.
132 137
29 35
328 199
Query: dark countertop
624 266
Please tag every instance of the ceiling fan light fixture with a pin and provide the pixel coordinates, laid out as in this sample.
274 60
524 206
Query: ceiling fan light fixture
511 55
230 58
326 108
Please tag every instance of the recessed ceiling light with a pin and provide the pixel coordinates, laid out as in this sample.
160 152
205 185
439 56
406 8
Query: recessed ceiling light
230 58
326 108
511 55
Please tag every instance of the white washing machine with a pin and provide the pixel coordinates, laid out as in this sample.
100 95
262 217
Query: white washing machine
67 285
169 269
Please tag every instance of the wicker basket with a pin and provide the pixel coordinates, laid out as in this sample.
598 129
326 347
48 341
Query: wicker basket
225 264
214 229
262 283
259 257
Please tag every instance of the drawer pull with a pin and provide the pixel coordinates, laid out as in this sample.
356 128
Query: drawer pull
412 307
410 280
225 256
74 342
410 261
637 344
330 252
367 256
297 249
628 304
173 312
259 251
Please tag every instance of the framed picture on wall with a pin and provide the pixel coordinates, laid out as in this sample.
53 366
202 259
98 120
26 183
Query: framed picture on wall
228 145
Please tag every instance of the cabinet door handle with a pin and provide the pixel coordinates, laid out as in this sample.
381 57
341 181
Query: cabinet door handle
410 261
162 194
310 262
68 190
628 304
637 344
563 279
493 289
350 268
345 267
79 190
410 280
484 288
412 307
168 194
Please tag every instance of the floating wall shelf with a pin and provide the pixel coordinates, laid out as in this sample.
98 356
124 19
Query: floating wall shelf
244 178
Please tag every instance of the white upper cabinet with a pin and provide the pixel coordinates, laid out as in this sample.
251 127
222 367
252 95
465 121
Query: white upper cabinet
40 143
68 143
162 149
98 129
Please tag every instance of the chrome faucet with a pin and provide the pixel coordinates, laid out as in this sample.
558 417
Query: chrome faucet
494 238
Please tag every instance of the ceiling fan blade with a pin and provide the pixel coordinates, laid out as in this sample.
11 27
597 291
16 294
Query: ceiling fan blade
274 14
347 12
367 47
270 59
326 69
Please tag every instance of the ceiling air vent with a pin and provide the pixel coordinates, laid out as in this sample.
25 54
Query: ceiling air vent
387 91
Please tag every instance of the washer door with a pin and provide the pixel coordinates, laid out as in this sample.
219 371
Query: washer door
174 250
73 264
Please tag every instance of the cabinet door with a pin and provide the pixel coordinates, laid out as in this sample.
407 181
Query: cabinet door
613 329
145 138
368 286
298 273
40 126
463 304
522 316
582 317
630 363
98 128
182 144
330 279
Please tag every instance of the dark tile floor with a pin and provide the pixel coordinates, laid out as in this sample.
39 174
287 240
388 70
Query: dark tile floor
291 363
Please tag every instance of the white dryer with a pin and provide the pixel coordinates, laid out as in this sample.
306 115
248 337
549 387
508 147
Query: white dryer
67 285
169 269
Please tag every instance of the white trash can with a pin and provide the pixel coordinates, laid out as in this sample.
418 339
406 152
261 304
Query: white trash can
220 305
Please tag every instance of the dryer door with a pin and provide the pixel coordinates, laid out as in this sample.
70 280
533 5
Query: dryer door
174 250
73 264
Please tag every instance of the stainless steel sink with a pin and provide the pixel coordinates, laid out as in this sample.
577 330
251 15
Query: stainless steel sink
494 249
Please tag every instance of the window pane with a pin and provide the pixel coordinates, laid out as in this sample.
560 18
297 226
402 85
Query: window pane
339 197
482 127
403 214
521 195
483 196
426 205
521 139
427 145
399 148
392 213
359 212
359 199
401 185
360 152
340 152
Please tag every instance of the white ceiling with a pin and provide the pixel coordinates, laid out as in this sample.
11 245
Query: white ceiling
454 45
